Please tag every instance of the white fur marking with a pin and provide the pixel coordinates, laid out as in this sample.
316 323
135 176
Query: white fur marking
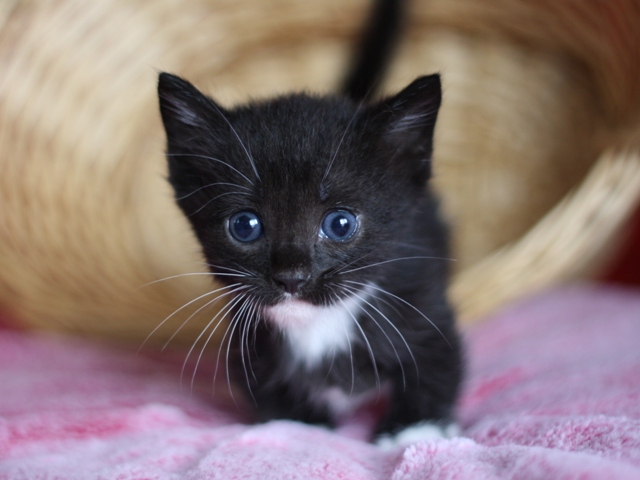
417 433
314 332
343 404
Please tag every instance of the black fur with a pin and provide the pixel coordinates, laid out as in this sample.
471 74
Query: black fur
290 160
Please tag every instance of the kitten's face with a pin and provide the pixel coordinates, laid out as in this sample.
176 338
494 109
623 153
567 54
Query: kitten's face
293 197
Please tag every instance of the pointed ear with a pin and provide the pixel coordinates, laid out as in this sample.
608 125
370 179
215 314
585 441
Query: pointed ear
410 122
191 122
184 109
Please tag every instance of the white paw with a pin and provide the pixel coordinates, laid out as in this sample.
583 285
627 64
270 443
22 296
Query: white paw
417 433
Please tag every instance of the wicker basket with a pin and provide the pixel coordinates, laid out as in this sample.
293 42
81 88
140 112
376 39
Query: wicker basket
537 147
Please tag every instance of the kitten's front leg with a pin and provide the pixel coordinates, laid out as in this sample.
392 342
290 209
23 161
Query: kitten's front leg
281 402
270 384
403 425
418 432
424 409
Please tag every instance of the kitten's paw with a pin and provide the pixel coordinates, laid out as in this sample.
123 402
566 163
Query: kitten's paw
418 432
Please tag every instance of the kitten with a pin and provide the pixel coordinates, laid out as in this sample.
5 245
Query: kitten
316 214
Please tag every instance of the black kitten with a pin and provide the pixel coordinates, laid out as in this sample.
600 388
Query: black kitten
316 214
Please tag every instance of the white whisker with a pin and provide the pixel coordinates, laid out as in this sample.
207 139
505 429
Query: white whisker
209 201
211 302
378 298
364 336
252 318
350 290
206 157
244 319
406 303
392 260
346 333
258 314
210 274
406 344
174 276
241 271
344 134
224 312
333 359
249 157
234 323
215 375
213 292
342 267
215 185
414 247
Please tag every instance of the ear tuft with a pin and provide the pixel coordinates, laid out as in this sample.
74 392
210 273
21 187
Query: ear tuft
410 122
186 115
414 110
182 106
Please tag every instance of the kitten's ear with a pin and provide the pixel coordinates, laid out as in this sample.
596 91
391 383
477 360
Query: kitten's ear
192 123
184 108
410 122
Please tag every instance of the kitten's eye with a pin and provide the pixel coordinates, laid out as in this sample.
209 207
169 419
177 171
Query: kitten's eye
245 227
339 225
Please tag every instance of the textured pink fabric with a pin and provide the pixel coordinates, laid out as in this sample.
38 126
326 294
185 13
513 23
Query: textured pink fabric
553 392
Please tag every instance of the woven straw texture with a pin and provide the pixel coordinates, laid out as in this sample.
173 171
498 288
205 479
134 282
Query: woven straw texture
537 146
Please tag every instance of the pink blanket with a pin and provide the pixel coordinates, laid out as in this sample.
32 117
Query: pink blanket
553 392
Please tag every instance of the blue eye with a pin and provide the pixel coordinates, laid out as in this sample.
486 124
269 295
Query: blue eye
245 227
339 225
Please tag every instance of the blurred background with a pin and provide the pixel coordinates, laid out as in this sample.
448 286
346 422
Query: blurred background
537 151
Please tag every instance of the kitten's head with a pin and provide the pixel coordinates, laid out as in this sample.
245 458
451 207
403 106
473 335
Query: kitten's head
298 197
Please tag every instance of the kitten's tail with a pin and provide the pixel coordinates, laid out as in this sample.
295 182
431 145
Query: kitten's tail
374 51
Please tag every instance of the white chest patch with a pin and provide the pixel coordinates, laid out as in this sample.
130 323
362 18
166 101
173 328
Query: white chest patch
314 332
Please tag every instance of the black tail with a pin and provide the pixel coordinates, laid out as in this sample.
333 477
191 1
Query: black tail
374 50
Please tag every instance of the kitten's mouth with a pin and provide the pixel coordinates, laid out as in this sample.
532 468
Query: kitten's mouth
291 312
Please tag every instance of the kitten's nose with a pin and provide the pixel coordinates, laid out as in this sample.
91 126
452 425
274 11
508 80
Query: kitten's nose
291 282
